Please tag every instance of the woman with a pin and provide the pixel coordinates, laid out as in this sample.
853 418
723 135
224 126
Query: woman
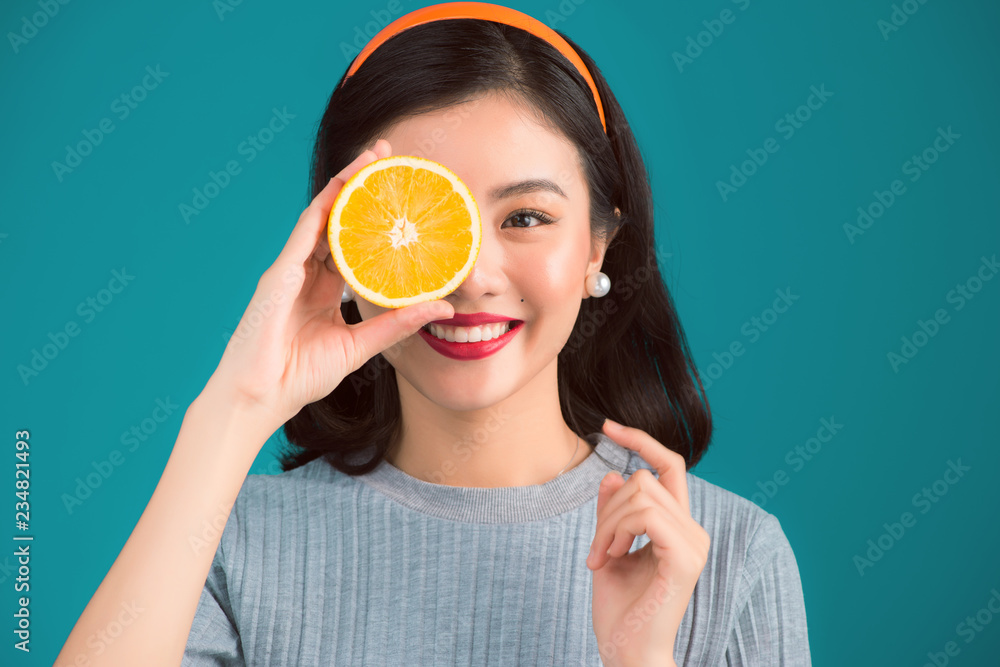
441 509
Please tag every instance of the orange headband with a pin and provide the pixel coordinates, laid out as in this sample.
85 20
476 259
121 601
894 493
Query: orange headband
488 12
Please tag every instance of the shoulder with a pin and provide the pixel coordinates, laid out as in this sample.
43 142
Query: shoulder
740 529
272 506
752 577
306 486
751 566
318 473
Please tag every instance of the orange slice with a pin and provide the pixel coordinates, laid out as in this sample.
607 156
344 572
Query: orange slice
403 230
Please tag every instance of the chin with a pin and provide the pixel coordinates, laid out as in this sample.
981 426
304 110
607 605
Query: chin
463 392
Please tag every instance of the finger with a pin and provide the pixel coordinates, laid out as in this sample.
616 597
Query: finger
606 493
670 466
643 481
322 251
277 290
311 227
339 281
663 531
607 527
654 524
614 536
389 328
611 483
672 545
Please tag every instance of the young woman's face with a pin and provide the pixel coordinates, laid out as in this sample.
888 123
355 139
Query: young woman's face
526 270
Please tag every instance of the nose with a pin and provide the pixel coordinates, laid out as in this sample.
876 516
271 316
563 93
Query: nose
488 276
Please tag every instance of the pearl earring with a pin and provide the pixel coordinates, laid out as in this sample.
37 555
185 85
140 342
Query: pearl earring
598 284
348 294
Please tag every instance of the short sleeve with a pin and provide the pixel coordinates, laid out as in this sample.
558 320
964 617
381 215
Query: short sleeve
770 623
214 640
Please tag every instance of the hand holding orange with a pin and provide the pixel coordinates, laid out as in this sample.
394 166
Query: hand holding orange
293 346
404 230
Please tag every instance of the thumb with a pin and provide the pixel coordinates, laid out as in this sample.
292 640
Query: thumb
390 328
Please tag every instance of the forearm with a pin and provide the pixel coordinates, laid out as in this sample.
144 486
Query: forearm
153 587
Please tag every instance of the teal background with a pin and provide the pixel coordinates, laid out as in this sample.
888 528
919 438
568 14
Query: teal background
826 357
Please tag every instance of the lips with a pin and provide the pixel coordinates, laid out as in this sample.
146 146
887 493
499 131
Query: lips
469 351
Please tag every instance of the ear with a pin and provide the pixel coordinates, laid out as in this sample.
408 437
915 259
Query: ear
597 251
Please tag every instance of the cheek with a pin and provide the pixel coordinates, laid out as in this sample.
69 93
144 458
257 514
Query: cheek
558 267
550 278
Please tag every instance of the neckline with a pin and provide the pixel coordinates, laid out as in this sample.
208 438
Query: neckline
504 504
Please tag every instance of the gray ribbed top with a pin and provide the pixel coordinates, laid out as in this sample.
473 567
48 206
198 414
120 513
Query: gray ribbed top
316 567
506 504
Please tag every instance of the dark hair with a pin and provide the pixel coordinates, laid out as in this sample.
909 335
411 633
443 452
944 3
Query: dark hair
627 357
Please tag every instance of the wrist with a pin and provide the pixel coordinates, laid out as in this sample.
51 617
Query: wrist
220 397
236 422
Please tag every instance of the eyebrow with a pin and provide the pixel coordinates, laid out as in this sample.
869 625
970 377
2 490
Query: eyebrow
527 187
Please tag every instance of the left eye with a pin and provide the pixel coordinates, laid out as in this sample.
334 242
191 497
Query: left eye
521 215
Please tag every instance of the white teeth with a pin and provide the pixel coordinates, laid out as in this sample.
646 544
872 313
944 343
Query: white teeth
476 334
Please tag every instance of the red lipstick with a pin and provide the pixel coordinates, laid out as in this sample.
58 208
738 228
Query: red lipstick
471 351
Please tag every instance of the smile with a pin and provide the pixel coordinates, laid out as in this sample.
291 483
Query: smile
476 334
469 342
